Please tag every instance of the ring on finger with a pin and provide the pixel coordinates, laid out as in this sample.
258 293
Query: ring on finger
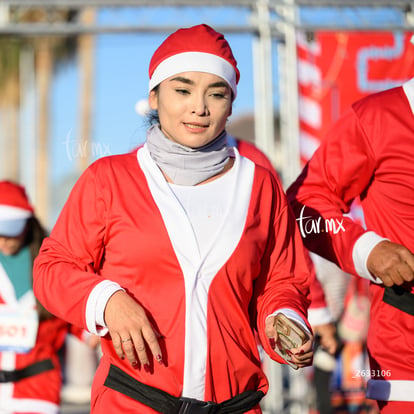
126 340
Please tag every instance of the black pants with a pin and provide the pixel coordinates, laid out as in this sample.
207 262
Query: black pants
322 381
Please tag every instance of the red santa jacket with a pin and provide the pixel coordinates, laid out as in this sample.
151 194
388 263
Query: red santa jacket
121 224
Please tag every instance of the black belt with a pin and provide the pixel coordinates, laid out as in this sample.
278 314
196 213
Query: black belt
29 371
399 298
166 403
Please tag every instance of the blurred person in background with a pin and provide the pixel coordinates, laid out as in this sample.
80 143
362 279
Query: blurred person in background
30 336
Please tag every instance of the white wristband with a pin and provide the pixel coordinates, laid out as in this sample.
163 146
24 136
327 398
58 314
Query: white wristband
95 306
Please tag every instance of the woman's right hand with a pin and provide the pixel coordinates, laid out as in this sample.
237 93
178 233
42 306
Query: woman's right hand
131 332
392 263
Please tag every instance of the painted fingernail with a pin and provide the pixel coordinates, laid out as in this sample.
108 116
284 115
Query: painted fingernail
159 359
272 343
147 367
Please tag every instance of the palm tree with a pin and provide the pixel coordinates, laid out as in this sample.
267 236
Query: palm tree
9 104
50 52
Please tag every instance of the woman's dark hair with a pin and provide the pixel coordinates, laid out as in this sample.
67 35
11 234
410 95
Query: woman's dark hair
153 118
35 233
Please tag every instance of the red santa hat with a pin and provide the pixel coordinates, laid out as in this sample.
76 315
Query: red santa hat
15 209
195 49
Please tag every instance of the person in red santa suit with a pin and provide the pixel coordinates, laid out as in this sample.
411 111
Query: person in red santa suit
30 337
369 153
176 253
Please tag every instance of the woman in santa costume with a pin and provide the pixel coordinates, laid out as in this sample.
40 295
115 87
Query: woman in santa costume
177 253
30 337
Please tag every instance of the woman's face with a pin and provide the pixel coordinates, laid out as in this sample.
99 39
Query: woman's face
193 107
11 245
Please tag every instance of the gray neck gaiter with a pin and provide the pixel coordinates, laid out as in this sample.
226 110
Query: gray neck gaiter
185 165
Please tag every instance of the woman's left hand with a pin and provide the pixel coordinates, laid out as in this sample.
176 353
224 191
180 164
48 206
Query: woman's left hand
301 356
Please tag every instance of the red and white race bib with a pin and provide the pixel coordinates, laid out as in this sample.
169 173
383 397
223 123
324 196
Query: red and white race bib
18 329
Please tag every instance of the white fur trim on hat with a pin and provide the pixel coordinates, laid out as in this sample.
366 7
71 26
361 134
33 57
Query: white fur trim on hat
13 220
13 213
194 62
